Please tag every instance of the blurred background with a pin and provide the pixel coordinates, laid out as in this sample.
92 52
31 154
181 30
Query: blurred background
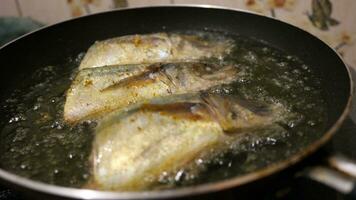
331 20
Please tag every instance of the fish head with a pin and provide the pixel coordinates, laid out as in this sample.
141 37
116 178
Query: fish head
192 76
237 114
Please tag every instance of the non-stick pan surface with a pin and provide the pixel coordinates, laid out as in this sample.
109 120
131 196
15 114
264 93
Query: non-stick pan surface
54 45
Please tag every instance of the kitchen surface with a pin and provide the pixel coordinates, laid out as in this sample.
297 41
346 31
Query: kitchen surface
330 20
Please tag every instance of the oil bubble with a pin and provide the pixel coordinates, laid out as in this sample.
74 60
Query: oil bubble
311 123
17 118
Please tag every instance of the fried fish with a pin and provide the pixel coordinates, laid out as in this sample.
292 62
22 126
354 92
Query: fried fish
133 148
100 90
154 48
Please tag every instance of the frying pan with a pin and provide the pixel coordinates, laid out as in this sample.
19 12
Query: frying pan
55 44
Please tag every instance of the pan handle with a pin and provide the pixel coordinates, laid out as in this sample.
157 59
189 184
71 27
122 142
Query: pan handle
343 164
339 174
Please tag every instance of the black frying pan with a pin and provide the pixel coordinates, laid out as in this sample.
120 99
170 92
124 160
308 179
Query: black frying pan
53 45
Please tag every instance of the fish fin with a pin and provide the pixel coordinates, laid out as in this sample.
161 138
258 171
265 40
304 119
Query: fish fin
140 79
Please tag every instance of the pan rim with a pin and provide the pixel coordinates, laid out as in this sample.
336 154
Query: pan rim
190 190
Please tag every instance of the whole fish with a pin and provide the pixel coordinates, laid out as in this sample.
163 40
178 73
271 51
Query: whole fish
154 48
133 148
100 90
